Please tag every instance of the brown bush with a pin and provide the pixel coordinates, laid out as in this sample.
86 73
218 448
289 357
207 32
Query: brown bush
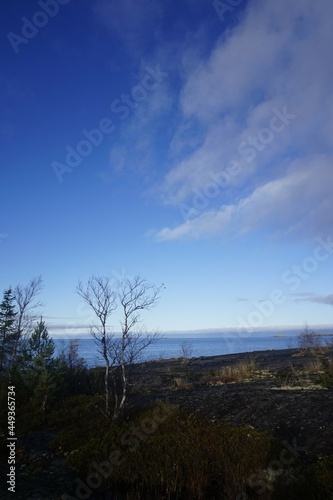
235 373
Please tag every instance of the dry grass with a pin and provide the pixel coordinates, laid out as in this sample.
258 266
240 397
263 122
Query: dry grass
181 383
235 373
315 374
315 366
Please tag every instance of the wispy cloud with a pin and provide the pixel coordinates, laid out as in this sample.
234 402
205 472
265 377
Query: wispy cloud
227 98
328 299
317 299
134 152
67 326
297 204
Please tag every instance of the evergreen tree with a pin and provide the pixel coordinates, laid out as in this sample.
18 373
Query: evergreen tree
40 349
7 329
39 362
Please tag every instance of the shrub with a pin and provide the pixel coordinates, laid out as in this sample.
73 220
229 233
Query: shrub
184 456
181 383
235 373
326 378
186 349
315 366
308 341
193 459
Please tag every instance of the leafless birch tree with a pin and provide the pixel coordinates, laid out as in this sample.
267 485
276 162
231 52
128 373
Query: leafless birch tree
134 295
100 295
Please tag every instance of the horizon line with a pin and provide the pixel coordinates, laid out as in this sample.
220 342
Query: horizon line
221 330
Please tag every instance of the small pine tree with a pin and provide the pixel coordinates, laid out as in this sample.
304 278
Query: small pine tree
7 329
38 361
40 348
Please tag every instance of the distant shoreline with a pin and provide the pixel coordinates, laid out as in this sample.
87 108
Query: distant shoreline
315 334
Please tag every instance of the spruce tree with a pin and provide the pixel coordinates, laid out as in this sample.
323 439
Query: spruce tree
40 349
38 361
7 329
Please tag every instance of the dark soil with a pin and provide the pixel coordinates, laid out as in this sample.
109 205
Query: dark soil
276 398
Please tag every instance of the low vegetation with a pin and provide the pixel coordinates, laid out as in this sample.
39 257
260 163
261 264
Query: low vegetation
310 342
163 452
235 373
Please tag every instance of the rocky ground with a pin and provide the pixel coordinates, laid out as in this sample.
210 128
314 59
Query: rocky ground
282 394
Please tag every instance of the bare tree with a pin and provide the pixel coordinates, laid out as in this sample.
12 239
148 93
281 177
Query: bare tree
135 295
26 305
186 349
99 294
308 340
119 352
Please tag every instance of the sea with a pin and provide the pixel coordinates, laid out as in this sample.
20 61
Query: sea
198 344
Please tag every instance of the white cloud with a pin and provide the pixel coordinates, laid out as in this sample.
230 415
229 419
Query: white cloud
278 56
206 224
296 204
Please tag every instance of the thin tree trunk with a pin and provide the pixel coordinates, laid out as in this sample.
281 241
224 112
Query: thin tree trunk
44 403
14 353
106 377
106 384
124 387
118 409
115 394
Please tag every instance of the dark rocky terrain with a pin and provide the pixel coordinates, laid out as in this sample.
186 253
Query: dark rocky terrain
282 395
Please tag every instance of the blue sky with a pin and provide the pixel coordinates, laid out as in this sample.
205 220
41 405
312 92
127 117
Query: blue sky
190 142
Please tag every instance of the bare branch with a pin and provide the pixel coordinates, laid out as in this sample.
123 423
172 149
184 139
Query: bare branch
137 343
26 301
25 296
100 296
136 295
